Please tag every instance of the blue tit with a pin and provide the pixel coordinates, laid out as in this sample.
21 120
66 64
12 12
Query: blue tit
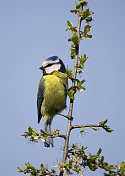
52 93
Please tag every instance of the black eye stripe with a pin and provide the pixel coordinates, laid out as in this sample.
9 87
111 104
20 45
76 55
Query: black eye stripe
51 64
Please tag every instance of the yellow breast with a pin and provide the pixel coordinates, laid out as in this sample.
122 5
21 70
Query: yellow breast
54 94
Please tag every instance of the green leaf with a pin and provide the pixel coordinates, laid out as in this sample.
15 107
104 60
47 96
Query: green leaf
70 163
70 93
74 39
109 167
70 25
41 166
92 167
75 3
43 132
122 167
109 130
87 29
32 174
79 85
73 46
74 11
82 60
102 159
29 166
69 72
86 15
90 13
88 19
77 6
89 36
103 122
20 170
31 132
99 151
105 127
67 29
95 128
73 53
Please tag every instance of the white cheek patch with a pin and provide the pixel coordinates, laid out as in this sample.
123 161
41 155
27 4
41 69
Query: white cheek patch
52 68
45 63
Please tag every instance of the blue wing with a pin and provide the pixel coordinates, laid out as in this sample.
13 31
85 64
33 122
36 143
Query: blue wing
40 98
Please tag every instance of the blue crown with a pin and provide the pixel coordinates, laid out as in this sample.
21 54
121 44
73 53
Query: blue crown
53 58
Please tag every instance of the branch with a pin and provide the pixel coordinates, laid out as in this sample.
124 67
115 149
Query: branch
59 135
83 126
95 127
42 135
66 116
73 86
38 173
33 171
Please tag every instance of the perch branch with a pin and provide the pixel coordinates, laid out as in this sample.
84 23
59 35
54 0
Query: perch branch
73 86
65 116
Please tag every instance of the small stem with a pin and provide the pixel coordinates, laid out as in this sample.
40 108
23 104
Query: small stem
84 126
51 135
56 135
65 116
61 135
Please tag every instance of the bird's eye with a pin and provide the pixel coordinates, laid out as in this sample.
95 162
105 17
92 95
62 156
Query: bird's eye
49 65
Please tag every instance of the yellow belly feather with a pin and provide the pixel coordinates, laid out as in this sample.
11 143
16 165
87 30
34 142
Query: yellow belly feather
54 95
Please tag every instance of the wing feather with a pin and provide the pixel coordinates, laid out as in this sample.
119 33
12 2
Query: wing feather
40 98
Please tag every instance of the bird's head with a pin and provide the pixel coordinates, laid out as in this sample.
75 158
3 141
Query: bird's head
51 64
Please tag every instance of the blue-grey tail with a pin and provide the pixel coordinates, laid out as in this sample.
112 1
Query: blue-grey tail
48 142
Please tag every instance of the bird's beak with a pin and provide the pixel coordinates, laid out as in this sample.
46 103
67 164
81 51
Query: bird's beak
41 68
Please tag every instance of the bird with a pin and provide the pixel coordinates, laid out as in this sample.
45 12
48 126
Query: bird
52 93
